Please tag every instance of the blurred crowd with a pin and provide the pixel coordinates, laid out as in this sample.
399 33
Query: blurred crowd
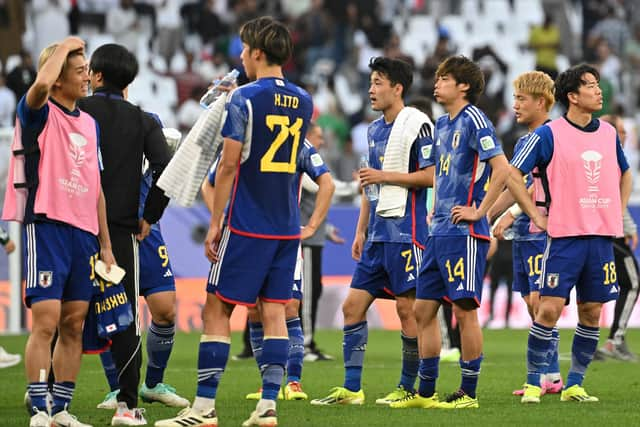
182 45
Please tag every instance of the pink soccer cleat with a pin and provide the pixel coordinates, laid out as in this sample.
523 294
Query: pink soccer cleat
552 387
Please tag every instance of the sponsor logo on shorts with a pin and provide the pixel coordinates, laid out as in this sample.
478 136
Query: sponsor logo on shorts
45 278
168 273
460 287
411 277
614 290
553 280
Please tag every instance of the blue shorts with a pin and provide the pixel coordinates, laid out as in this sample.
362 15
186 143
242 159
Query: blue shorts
251 268
527 265
59 261
584 262
453 268
156 274
387 268
296 291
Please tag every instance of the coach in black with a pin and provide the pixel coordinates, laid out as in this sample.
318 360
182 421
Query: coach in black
126 134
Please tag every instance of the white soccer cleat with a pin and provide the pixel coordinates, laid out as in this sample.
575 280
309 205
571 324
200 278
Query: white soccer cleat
40 419
163 393
128 417
65 419
8 360
192 418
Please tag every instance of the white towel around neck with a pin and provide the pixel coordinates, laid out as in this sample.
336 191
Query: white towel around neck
392 201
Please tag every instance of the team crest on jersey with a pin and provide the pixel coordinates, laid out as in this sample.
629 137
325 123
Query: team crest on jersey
553 280
486 142
456 139
45 278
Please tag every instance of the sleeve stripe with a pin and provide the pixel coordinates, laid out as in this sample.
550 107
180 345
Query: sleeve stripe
307 143
477 118
479 114
425 131
526 150
475 121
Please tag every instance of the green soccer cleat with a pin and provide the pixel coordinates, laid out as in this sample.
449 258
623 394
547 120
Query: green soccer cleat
110 400
576 393
341 396
162 393
459 400
414 400
396 395
531 394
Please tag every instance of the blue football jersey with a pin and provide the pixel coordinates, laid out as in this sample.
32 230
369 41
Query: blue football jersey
411 228
521 224
461 150
270 118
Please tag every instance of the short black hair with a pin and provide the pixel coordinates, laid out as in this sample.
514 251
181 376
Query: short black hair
118 66
569 81
396 70
464 70
270 36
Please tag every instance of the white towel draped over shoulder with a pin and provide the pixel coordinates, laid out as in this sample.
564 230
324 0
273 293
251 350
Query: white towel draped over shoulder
183 176
392 201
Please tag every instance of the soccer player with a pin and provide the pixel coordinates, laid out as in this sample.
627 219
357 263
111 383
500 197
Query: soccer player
127 133
466 153
579 251
310 163
627 269
533 99
157 285
258 163
388 249
62 206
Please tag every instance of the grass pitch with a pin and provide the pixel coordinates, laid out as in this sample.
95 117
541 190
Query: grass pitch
617 384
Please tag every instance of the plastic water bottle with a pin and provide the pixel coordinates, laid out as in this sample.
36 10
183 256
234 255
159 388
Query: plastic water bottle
509 234
213 92
371 190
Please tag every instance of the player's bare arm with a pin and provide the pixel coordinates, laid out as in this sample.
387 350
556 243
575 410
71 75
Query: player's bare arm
225 175
361 229
515 184
326 187
47 76
106 254
417 179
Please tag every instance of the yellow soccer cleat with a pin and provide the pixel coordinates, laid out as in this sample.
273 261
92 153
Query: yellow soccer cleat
293 391
576 393
414 400
459 400
531 394
341 396
258 395
396 395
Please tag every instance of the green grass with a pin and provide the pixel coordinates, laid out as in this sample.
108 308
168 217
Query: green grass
617 385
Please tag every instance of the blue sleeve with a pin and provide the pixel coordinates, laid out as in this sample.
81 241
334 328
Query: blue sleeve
211 176
424 147
537 151
622 159
31 119
236 117
484 141
311 163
